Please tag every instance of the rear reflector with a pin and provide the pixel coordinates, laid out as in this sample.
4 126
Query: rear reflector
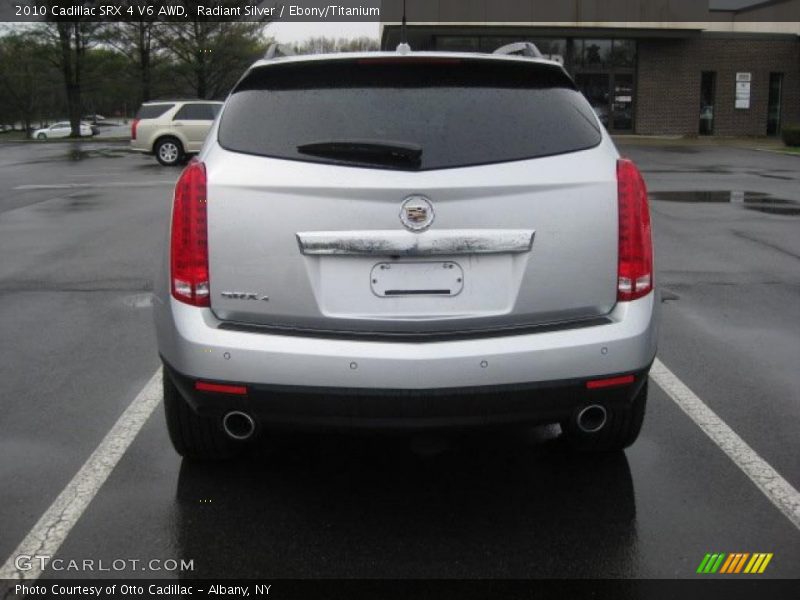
189 239
597 384
635 259
220 388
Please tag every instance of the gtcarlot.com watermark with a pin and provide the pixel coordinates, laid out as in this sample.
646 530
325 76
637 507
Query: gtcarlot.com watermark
27 562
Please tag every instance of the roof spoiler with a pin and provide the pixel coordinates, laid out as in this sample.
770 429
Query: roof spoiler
520 49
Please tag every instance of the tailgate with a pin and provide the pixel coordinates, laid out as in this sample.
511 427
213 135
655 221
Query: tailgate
527 242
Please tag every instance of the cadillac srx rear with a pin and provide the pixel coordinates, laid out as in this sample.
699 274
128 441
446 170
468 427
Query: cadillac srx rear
404 241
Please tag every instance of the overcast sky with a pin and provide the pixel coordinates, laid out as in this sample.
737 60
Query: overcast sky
297 32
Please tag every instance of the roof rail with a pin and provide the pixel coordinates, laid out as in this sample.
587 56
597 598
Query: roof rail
520 49
278 50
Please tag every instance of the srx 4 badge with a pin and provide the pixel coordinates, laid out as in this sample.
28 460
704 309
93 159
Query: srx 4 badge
244 296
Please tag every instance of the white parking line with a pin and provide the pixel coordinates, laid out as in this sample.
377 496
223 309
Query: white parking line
55 524
76 186
760 472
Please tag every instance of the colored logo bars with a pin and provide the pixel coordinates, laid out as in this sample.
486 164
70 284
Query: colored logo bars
737 562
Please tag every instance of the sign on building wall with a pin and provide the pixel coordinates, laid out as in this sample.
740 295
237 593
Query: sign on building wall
743 81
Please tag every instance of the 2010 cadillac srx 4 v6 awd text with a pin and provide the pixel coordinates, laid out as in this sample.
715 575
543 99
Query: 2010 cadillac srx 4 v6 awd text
406 240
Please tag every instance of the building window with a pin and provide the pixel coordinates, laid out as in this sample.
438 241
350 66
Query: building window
708 89
605 54
774 104
622 102
604 71
623 53
458 43
594 54
551 48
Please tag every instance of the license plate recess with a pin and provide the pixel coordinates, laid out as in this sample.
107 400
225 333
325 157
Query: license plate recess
397 279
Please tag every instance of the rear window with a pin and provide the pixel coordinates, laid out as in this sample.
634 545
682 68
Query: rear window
459 112
152 111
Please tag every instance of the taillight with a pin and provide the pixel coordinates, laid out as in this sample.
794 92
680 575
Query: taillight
635 266
189 239
134 125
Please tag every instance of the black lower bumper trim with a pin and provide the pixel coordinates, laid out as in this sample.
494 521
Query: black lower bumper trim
348 408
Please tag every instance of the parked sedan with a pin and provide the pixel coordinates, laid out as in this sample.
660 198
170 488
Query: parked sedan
61 129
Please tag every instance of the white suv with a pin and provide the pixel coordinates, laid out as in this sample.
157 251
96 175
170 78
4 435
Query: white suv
173 129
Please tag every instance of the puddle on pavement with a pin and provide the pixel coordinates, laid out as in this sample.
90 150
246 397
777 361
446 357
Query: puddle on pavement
771 176
78 153
679 149
80 201
148 166
755 201
711 170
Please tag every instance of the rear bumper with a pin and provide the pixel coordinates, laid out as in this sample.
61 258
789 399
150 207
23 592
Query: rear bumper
535 375
303 407
194 343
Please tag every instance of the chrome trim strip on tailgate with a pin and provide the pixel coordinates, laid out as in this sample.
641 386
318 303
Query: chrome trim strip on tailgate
404 243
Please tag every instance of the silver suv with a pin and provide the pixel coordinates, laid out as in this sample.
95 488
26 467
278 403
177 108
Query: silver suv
174 129
406 241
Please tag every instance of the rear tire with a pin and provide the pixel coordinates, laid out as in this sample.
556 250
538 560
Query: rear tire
621 429
168 151
194 436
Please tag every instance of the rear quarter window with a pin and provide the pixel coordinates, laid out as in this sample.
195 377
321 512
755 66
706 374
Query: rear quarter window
197 112
461 112
152 111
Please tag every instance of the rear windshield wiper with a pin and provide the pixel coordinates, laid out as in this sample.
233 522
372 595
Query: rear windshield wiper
371 151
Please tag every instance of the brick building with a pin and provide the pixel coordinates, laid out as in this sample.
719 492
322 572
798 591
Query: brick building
737 74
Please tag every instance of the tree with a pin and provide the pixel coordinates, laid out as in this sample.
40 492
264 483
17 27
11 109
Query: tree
68 42
137 42
211 56
24 77
323 45
360 44
73 40
109 85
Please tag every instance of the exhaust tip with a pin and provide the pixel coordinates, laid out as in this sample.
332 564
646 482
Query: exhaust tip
592 418
238 425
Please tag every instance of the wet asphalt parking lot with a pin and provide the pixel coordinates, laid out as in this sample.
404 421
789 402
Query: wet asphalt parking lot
81 228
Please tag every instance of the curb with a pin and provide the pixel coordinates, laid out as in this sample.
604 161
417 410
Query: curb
698 142
784 152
